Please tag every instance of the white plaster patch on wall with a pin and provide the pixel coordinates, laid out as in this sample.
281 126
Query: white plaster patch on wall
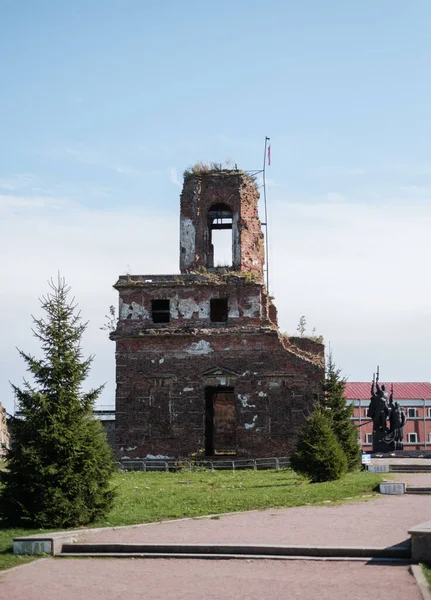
197 348
161 361
173 307
204 309
187 306
132 310
236 243
253 309
273 383
233 308
188 389
157 457
252 424
261 394
187 240
244 401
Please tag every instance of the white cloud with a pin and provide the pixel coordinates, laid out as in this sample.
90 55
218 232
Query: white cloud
127 170
358 272
17 182
360 275
173 176
90 249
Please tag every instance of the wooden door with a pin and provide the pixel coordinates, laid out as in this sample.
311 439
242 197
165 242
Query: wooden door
224 437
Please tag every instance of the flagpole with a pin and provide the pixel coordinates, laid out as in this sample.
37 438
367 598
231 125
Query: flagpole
267 139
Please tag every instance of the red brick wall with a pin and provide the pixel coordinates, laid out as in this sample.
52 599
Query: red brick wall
236 190
161 385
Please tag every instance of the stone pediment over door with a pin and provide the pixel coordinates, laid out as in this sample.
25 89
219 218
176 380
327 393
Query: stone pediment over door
220 376
219 372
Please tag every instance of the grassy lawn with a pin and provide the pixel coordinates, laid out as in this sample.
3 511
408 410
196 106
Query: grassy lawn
148 497
427 572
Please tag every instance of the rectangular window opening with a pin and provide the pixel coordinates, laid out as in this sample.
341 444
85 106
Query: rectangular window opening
160 311
368 438
412 438
218 310
412 413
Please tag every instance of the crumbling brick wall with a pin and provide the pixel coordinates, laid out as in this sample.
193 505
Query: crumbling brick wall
171 374
161 382
236 190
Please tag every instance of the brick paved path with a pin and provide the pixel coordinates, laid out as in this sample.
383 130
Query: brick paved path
122 579
384 521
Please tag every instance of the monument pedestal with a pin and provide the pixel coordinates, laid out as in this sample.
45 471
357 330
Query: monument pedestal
383 442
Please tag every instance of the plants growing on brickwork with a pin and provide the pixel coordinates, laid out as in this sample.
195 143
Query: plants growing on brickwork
302 325
311 457
110 320
202 167
59 464
302 328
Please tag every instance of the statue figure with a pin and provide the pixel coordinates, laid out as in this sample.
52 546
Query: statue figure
378 409
399 420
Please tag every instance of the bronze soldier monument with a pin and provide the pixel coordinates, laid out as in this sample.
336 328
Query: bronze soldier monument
381 410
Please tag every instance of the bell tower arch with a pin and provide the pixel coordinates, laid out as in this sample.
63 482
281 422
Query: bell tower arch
216 201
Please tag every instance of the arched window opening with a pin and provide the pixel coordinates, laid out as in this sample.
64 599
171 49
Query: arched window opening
220 236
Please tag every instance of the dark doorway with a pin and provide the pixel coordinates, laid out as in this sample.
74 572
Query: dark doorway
220 427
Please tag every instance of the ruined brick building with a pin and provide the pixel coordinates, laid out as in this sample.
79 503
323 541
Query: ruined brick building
201 366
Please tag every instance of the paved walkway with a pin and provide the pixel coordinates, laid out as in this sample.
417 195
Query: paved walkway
160 579
377 522
384 521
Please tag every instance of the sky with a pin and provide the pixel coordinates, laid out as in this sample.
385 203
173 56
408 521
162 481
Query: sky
105 103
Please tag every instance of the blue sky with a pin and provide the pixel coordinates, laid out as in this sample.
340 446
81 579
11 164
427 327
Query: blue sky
105 103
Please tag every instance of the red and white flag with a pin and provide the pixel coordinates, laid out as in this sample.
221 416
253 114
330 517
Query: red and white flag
269 155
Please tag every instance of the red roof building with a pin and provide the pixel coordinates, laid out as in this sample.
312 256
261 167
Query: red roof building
413 397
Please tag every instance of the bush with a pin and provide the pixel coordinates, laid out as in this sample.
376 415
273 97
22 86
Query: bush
318 454
334 401
59 464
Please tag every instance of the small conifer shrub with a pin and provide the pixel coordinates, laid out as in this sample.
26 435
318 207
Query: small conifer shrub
334 401
318 454
59 465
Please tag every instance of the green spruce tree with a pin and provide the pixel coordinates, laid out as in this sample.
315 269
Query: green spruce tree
334 400
318 454
59 464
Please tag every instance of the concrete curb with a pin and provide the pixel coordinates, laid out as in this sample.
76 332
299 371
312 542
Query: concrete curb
363 559
399 551
421 582
51 543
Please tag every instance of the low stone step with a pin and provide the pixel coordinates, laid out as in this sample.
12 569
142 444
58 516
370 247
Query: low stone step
183 555
410 469
418 489
399 551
